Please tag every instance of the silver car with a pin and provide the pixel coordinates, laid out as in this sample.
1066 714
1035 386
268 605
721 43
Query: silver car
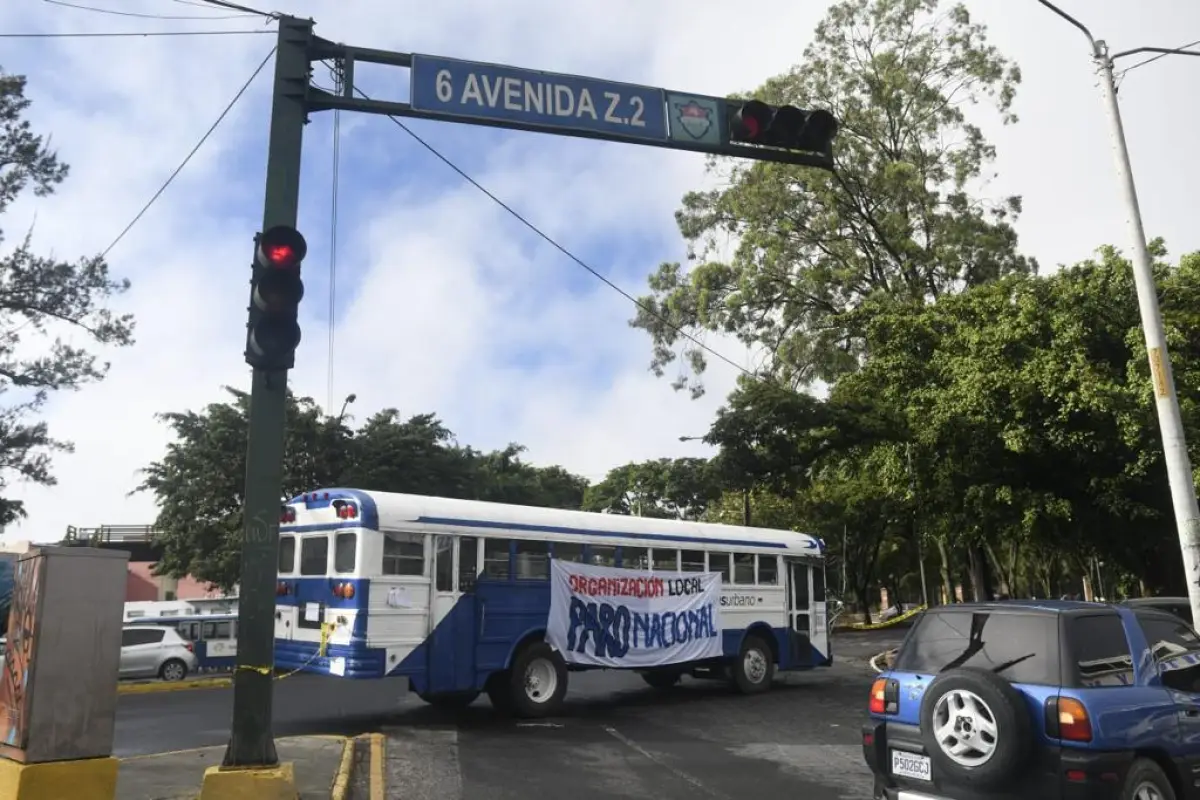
149 651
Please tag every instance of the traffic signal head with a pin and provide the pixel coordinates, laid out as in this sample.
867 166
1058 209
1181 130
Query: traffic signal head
786 127
273 332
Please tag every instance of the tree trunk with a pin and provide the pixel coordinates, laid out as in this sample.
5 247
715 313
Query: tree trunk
945 568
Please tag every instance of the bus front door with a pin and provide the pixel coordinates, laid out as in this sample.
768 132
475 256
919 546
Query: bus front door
450 660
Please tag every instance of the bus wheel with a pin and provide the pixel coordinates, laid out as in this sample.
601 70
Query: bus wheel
661 678
538 681
450 701
755 666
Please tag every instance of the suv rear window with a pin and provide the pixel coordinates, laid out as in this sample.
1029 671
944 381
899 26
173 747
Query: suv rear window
1020 647
1101 651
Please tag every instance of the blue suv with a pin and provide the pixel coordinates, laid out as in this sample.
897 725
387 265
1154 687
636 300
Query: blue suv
1033 700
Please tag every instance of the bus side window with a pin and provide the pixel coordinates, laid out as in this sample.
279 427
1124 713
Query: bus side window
600 555
691 560
743 568
768 570
345 548
818 573
719 562
635 558
468 563
287 554
443 563
495 557
665 560
190 631
403 554
217 630
533 559
568 551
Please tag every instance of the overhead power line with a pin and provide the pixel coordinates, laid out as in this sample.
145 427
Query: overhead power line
189 156
116 13
92 35
517 215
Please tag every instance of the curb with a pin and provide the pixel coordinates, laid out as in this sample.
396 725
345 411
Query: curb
173 686
341 780
377 785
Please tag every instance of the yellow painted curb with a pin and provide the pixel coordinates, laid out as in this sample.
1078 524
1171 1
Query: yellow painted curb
377 786
341 781
173 686
859 626
260 783
85 779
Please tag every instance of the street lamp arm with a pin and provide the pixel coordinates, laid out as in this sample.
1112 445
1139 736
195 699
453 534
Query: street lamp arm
1166 51
1091 39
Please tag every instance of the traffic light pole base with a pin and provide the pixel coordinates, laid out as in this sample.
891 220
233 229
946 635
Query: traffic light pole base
255 783
82 779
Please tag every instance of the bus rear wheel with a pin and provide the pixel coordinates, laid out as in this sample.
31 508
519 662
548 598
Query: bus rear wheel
537 682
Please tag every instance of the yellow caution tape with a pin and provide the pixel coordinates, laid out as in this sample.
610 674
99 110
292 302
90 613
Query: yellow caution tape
912 612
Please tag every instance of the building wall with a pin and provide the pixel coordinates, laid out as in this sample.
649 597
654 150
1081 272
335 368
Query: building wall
143 584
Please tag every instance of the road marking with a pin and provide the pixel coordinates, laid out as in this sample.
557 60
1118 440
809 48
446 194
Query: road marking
378 788
678 773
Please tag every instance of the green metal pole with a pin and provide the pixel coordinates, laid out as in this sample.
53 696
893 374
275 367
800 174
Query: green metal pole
251 743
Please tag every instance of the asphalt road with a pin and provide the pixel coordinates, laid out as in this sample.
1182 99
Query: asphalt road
616 737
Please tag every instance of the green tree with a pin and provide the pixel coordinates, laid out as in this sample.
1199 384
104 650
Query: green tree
45 305
898 219
198 484
667 488
502 477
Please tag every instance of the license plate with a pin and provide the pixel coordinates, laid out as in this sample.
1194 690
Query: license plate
910 765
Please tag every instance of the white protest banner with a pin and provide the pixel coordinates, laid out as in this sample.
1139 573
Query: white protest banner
606 617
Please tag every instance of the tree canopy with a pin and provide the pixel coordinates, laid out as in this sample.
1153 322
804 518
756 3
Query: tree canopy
199 483
1010 429
50 309
898 220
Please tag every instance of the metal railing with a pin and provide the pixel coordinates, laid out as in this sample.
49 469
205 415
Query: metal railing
110 533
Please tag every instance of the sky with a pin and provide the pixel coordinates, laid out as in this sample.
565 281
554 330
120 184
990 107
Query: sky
441 300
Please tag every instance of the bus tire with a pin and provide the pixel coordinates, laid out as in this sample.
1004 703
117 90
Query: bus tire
538 681
662 678
755 666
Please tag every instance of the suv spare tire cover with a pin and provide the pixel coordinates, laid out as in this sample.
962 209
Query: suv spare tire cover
1010 715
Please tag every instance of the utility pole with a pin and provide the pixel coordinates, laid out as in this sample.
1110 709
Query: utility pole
746 506
251 743
1179 466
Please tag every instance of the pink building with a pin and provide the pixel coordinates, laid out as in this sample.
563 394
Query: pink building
141 583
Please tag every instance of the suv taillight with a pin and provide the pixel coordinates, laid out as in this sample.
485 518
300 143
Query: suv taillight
1067 719
190 647
885 696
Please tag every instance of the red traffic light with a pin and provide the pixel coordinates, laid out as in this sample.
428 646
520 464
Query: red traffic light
281 247
751 121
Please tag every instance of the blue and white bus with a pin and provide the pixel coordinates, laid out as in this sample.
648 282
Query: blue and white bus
454 595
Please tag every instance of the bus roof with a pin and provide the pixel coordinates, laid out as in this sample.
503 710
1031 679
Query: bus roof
391 511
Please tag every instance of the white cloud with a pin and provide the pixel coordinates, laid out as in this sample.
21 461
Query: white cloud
442 296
